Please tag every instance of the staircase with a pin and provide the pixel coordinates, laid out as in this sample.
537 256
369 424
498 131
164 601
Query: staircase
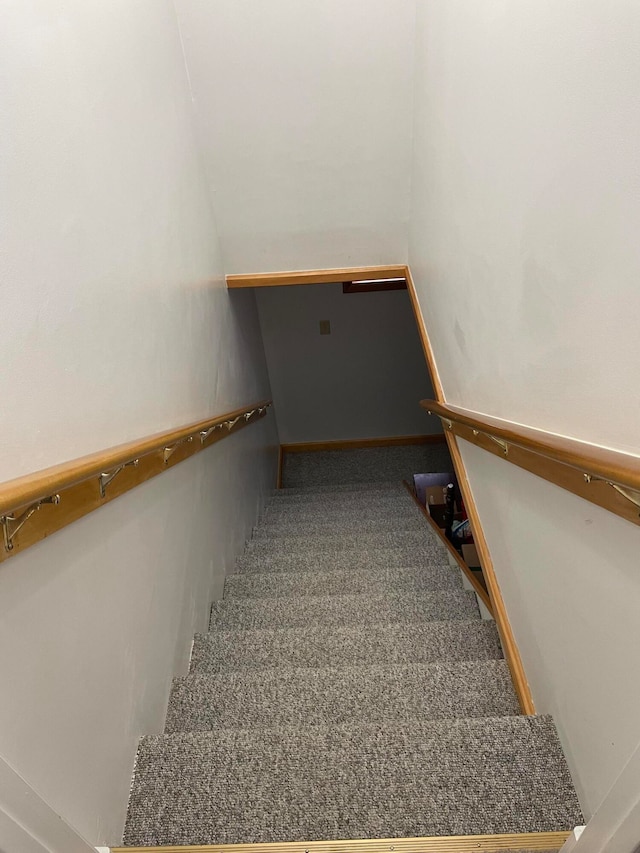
347 689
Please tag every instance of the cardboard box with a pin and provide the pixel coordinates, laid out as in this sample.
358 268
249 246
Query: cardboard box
434 495
470 555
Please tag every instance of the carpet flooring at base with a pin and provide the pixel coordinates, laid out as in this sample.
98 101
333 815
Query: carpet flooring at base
364 465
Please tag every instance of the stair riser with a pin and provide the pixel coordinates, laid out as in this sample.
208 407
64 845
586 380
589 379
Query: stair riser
343 527
317 647
251 613
337 696
360 559
375 582
417 542
385 487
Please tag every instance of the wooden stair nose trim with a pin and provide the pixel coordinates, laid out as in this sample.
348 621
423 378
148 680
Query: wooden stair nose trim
429 844
319 276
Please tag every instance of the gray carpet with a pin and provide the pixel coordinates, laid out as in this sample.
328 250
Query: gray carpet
376 580
453 777
358 558
331 610
384 694
347 688
314 646
371 464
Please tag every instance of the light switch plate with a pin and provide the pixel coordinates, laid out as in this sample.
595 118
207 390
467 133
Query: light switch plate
325 327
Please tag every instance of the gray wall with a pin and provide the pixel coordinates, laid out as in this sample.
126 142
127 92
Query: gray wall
363 380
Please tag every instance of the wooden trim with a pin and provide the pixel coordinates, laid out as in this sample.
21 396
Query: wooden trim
78 482
356 443
328 276
479 590
498 609
280 464
424 337
559 460
433 844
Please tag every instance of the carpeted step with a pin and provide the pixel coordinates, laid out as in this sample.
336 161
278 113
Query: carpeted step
391 694
339 526
329 610
301 561
390 486
352 505
341 582
343 500
424 541
314 646
453 777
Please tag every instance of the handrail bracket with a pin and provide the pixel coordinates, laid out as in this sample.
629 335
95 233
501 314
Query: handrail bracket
168 452
630 494
107 477
500 442
205 433
11 525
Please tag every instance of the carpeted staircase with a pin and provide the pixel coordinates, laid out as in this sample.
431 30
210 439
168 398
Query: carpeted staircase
347 688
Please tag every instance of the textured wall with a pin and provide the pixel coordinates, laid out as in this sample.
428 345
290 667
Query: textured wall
365 379
116 324
524 249
305 116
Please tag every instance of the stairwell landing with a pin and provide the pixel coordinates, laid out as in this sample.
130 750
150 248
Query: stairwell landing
347 689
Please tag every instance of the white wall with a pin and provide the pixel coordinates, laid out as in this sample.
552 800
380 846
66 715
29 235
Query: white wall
525 222
363 380
116 324
305 116
524 250
568 572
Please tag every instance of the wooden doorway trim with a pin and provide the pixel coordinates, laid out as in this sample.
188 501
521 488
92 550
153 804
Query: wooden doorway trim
328 276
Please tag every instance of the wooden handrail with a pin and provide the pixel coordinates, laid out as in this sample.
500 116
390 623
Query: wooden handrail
81 483
609 478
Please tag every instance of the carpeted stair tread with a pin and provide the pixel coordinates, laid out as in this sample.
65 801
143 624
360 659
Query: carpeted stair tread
453 777
335 695
345 559
341 582
418 540
344 498
319 526
399 507
332 610
389 486
339 503
314 646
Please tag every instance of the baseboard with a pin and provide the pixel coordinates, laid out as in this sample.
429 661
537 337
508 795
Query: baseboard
357 443
439 844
